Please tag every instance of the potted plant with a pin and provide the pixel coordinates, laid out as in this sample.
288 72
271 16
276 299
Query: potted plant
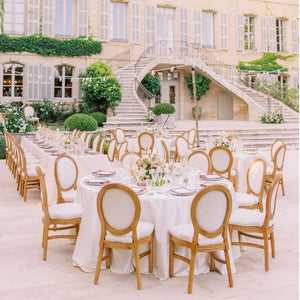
202 86
163 113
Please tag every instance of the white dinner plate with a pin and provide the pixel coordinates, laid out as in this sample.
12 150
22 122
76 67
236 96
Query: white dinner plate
182 191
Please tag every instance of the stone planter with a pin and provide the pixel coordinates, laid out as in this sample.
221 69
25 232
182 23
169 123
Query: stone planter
166 120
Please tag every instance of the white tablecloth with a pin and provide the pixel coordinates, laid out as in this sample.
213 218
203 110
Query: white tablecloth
86 163
162 210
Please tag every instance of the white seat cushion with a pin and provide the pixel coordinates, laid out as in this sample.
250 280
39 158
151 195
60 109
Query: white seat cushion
65 211
143 229
246 199
186 232
248 217
69 196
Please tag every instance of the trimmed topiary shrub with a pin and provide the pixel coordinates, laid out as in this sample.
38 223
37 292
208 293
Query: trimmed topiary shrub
163 108
81 122
2 147
99 117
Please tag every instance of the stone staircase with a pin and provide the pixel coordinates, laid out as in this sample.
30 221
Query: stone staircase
270 104
131 111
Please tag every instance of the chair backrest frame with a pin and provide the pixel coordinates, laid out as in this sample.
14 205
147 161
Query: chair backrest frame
146 136
214 167
205 156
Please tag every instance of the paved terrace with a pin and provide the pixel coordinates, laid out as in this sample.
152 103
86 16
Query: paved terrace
24 275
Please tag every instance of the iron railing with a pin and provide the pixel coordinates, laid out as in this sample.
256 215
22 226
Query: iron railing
119 60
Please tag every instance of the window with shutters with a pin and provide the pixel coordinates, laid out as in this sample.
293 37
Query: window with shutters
12 80
280 35
208 30
14 16
64 18
63 82
118 23
294 36
150 25
249 33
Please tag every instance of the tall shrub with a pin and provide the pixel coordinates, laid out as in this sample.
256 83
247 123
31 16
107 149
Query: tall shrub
100 88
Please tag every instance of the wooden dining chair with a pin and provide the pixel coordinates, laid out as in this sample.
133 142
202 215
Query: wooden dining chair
276 144
119 212
253 198
277 168
28 176
200 160
120 135
96 142
208 232
257 225
221 163
88 140
181 148
123 148
102 144
57 217
146 142
111 150
192 138
163 151
29 114
129 160
66 176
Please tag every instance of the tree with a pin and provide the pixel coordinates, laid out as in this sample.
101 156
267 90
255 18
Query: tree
152 84
100 88
202 86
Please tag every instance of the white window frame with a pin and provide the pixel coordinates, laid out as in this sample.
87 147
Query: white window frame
62 78
33 17
14 16
65 12
249 33
12 82
224 30
118 29
281 35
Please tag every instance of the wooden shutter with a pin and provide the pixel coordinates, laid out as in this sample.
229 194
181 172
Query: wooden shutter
83 9
272 33
48 17
294 37
240 32
46 82
295 81
33 82
224 30
197 28
135 23
104 20
33 17
263 34
183 32
150 28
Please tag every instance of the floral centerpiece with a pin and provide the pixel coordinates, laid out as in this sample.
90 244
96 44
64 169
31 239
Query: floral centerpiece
149 167
228 141
223 140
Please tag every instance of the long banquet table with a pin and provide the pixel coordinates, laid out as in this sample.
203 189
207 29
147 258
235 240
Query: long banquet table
161 209
85 162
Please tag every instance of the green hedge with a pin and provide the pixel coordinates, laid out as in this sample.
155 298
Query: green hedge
48 46
2 147
81 122
99 117
163 108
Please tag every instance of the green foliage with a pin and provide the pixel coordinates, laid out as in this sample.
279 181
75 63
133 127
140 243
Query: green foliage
14 120
152 84
150 115
81 122
2 147
53 112
202 85
100 88
163 108
267 63
99 117
272 118
48 46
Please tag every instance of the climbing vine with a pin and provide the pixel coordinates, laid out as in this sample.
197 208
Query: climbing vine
267 63
48 46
